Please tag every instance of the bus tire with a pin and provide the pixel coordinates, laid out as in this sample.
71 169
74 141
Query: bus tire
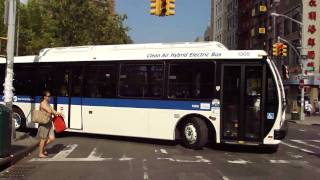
194 133
19 119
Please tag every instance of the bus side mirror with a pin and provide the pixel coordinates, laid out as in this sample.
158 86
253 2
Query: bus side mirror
285 72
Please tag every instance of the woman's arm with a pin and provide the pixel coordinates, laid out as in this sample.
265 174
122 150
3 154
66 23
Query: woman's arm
47 108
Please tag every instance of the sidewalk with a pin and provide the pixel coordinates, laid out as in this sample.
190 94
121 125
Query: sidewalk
21 147
308 120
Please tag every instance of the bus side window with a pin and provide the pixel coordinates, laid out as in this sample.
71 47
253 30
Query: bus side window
141 80
100 81
188 80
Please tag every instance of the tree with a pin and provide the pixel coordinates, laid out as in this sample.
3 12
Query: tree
53 23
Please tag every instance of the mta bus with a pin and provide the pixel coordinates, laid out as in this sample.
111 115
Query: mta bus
191 92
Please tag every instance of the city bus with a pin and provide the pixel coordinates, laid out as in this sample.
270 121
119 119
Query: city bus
190 92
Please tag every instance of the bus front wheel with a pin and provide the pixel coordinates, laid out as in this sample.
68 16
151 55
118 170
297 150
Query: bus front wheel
19 119
194 133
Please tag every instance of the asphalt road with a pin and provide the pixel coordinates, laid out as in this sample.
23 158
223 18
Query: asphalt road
76 156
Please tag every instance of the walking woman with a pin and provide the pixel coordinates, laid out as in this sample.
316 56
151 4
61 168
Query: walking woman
45 131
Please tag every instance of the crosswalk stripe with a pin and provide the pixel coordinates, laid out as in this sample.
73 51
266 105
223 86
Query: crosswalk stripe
318 141
304 143
279 161
296 147
66 151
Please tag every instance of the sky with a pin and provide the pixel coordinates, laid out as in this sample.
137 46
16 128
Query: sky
190 21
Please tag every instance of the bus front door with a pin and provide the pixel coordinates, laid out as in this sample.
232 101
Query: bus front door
241 89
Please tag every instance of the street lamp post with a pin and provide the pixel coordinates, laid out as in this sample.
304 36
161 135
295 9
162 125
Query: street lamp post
301 53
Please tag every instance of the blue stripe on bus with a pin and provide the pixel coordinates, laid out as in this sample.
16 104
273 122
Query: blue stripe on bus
133 103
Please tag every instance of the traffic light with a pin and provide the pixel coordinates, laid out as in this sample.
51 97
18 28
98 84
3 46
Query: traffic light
275 51
163 7
170 7
280 49
284 50
155 7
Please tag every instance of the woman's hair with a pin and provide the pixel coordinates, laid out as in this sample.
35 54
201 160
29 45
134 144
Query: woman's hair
44 93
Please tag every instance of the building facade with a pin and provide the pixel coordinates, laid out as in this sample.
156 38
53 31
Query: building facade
254 28
219 21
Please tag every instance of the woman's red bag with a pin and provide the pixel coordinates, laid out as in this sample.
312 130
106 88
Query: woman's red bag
59 125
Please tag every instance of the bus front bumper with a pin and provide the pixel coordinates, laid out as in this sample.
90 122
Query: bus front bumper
282 132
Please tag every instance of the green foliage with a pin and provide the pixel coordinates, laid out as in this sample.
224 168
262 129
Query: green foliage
52 23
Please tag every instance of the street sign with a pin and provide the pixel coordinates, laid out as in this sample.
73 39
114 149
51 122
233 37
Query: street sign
303 56
302 77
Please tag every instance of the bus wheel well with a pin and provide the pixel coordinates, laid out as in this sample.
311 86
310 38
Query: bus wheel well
211 129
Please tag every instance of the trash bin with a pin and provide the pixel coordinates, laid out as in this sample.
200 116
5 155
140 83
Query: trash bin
295 115
5 139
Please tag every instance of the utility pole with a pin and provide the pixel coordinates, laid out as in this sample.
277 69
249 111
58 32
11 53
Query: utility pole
8 87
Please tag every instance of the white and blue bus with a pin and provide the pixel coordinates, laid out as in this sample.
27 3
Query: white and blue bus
194 92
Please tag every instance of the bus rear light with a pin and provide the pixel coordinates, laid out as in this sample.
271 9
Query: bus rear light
270 137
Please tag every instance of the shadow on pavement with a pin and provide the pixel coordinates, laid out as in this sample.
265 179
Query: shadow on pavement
119 138
56 148
260 149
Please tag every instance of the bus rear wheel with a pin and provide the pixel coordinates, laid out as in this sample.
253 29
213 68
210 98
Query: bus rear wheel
194 133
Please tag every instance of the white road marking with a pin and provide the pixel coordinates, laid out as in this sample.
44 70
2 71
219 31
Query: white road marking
69 159
63 154
94 154
125 158
66 151
279 161
240 161
302 130
145 170
296 156
225 178
318 141
163 151
304 143
199 159
296 147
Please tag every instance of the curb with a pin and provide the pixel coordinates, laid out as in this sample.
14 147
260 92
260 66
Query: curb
14 158
299 122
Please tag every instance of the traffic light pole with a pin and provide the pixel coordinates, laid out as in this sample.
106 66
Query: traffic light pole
302 116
